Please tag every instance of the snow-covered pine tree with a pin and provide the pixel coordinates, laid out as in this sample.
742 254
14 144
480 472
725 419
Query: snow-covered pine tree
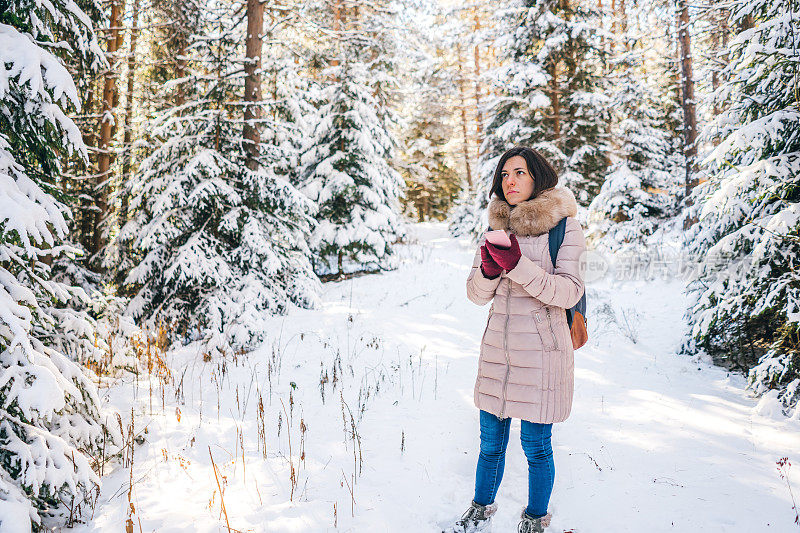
169 23
109 347
513 112
469 30
218 246
79 185
49 407
432 184
468 215
554 64
516 113
346 170
288 94
549 97
572 55
747 301
712 35
645 177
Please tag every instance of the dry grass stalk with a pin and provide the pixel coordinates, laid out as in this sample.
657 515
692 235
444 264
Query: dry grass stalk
219 486
262 428
292 470
352 496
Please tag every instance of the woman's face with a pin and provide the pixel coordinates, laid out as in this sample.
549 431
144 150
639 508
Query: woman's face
517 181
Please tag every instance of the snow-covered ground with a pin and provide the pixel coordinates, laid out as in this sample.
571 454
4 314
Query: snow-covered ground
655 441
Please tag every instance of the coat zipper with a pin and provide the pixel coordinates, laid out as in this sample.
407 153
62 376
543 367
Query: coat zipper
550 323
489 319
505 348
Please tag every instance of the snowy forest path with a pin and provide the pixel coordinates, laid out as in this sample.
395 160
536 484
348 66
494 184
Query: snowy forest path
655 441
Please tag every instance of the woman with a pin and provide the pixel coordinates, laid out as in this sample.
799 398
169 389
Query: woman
526 365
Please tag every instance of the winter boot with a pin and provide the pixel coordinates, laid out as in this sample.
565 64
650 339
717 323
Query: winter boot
476 519
528 524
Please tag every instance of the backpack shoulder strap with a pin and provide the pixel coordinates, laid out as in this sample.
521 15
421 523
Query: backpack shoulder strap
556 238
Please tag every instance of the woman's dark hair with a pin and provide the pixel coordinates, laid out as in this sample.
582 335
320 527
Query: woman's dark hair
543 174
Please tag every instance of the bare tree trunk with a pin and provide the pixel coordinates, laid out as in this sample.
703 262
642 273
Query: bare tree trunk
725 30
85 220
272 88
128 135
555 102
619 19
555 88
478 112
619 24
182 44
252 83
110 98
88 133
491 62
719 40
747 23
119 44
687 95
714 71
603 25
463 115
337 24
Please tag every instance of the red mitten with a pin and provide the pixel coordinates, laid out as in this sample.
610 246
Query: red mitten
507 258
489 267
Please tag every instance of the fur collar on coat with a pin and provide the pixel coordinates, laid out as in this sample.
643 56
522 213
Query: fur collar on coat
535 216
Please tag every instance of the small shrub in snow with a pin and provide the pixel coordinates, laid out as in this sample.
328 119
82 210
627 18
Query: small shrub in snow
346 170
216 246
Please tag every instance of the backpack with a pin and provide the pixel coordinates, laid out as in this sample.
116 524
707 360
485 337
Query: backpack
577 328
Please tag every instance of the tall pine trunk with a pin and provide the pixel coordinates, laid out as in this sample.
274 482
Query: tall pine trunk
181 46
555 102
720 50
83 189
252 83
462 94
477 59
129 95
687 95
110 98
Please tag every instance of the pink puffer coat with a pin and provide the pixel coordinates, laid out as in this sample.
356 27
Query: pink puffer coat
526 365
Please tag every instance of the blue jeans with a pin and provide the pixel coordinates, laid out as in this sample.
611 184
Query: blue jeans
535 440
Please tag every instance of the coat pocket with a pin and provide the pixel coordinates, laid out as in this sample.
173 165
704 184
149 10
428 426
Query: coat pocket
485 329
544 325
